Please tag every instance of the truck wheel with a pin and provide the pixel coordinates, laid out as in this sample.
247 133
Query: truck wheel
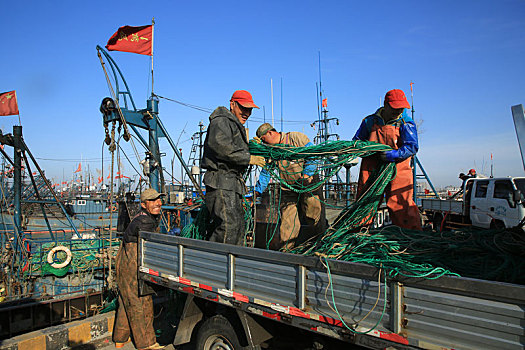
217 333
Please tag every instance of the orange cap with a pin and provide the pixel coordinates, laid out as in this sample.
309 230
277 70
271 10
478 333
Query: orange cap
396 99
244 98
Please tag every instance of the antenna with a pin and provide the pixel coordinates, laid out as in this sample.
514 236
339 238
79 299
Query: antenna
282 105
412 100
271 87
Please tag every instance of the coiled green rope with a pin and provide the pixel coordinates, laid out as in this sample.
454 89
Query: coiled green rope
477 253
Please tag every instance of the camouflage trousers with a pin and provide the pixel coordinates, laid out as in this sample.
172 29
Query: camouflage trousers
134 313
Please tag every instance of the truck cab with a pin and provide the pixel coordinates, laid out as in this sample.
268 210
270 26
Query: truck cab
495 202
486 203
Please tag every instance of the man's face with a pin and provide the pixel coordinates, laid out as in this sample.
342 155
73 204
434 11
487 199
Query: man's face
390 113
242 113
152 206
272 137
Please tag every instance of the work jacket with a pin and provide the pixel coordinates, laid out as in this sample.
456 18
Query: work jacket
407 144
143 221
226 155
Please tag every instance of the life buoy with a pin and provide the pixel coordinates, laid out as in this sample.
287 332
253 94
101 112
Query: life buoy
51 254
113 208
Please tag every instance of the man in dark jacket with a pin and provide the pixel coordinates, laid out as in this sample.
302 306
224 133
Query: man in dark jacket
226 158
135 312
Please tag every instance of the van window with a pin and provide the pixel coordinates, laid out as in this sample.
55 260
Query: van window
481 189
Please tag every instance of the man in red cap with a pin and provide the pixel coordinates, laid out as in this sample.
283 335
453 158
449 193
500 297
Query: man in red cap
391 125
226 158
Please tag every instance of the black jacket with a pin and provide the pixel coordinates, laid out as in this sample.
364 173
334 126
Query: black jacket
226 155
143 221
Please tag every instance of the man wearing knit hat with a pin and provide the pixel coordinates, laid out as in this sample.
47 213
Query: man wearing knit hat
391 125
226 158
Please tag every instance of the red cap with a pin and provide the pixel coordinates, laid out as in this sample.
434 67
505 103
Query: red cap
396 99
244 98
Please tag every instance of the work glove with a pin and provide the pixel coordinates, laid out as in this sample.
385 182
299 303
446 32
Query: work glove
383 158
256 139
257 160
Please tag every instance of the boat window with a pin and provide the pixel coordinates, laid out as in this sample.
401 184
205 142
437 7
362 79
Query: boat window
481 189
73 202
81 202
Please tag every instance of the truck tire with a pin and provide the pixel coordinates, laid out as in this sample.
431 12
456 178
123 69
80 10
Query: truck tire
217 333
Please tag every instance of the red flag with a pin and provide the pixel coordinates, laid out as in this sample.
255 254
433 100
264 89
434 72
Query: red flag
8 104
100 179
411 89
79 169
325 103
427 191
132 39
64 183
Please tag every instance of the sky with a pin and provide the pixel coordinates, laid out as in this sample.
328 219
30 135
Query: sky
465 59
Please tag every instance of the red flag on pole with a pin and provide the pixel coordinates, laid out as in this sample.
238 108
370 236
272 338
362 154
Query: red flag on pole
8 104
325 103
132 39
79 169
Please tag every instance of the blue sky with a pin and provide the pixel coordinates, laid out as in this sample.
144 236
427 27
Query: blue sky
464 57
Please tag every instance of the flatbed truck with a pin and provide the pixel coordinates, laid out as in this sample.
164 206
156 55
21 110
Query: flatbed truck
239 297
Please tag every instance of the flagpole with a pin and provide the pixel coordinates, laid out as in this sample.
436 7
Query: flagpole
19 121
152 34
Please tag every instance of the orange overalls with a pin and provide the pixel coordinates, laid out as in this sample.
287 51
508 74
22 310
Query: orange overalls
399 193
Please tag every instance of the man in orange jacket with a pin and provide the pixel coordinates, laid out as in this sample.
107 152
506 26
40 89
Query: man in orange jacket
391 125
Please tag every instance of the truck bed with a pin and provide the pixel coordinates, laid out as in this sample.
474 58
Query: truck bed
446 313
444 205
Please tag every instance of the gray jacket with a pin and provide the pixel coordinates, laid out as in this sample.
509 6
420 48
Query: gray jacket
226 155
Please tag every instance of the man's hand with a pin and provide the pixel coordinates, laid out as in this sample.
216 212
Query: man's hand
256 139
306 180
257 160
383 158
